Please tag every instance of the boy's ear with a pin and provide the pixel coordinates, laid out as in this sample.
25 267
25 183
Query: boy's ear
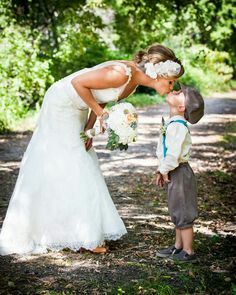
181 108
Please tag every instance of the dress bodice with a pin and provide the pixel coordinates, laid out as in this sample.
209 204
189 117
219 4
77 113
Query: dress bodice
100 95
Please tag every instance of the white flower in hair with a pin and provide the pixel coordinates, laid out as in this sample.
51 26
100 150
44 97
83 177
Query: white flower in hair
150 70
167 68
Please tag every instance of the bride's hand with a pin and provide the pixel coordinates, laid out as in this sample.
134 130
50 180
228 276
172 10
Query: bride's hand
89 144
102 119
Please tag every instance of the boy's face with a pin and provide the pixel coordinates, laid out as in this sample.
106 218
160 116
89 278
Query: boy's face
176 99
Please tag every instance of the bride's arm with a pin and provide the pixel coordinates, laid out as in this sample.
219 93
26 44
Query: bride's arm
92 118
107 77
89 125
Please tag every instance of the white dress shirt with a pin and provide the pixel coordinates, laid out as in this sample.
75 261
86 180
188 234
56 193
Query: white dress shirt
178 143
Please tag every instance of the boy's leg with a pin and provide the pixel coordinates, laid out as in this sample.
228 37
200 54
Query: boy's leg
178 239
183 209
186 255
187 238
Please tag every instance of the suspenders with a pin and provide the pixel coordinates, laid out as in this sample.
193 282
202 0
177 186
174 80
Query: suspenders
164 134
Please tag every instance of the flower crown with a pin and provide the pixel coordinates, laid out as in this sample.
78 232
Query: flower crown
167 68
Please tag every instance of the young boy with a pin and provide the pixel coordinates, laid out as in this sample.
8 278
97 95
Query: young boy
174 171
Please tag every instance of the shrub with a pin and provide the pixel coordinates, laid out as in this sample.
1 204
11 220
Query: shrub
206 69
24 75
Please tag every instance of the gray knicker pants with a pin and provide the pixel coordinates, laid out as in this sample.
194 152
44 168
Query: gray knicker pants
182 196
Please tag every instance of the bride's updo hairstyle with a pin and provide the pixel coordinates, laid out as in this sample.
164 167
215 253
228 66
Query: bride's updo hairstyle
158 54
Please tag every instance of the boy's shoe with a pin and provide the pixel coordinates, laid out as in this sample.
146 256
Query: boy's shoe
183 256
168 251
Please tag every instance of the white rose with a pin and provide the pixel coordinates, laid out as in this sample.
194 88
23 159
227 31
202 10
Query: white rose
150 70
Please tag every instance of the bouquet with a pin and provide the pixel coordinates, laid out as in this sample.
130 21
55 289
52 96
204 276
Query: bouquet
121 126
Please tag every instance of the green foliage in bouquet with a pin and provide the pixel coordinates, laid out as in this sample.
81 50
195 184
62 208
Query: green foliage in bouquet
113 142
134 125
83 136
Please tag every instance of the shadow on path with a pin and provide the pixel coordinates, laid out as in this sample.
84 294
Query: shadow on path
131 265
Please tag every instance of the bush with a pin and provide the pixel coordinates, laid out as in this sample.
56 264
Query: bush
24 75
206 69
41 43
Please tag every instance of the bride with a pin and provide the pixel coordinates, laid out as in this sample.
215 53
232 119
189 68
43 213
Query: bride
60 198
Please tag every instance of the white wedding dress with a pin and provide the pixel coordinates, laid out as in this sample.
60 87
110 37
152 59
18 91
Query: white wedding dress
60 199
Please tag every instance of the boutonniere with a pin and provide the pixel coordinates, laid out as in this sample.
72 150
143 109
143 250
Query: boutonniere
163 130
163 127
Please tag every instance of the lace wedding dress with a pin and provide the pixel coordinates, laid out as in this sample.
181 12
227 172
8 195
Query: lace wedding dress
60 199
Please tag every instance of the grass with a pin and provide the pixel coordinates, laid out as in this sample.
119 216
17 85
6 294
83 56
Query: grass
145 288
183 279
26 123
233 84
229 138
156 283
142 99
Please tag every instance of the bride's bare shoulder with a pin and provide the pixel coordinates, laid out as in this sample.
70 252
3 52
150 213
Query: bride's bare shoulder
106 75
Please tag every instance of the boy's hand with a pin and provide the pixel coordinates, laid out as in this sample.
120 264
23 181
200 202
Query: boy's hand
159 180
165 178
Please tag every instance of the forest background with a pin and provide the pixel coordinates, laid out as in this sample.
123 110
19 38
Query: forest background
43 41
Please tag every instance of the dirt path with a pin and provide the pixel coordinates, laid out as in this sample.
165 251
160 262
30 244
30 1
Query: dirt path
131 266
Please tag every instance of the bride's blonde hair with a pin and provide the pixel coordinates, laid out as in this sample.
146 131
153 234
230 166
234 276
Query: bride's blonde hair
155 54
